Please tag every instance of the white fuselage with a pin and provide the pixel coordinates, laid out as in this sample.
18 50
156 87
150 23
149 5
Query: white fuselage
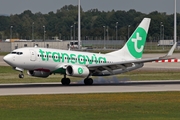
51 59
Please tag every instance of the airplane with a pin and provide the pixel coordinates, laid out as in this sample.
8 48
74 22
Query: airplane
42 62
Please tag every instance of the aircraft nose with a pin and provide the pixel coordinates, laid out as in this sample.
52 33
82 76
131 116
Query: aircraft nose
7 59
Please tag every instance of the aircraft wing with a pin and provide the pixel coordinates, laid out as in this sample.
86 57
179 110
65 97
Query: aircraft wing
125 66
120 65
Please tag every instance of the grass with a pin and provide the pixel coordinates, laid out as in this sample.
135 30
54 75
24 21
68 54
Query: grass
3 53
8 75
117 106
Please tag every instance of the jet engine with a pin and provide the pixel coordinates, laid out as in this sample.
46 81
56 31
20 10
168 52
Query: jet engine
38 73
77 71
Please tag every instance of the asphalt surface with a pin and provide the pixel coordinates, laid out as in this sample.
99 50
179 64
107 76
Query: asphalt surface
57 88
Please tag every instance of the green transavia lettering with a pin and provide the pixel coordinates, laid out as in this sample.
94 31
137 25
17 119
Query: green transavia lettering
71 58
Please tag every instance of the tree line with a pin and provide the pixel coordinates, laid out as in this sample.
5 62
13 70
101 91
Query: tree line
95 24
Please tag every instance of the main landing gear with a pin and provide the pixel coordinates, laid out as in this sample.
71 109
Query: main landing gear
21 75
88 81
66 81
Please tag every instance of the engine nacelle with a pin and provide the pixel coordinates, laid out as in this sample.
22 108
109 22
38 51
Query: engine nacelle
38 73
77 71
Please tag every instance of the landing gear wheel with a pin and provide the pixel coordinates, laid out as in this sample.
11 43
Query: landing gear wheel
65 81
21 75
88 81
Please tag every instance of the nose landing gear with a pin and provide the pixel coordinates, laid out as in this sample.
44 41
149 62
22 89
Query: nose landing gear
21 75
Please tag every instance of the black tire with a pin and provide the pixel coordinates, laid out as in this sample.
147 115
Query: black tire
88 81
21 75
68 81
65 81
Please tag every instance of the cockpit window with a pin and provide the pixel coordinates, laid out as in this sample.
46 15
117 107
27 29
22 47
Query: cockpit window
18 53
13 52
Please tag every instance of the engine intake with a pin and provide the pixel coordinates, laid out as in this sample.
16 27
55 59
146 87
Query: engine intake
77 71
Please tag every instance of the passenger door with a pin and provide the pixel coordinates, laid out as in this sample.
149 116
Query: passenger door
33 56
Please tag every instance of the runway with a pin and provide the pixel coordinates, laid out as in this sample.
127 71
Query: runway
75 88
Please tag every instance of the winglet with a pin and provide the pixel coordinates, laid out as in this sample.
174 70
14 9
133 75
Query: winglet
170 51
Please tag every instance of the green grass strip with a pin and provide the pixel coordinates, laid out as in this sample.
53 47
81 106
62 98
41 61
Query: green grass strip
117 106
